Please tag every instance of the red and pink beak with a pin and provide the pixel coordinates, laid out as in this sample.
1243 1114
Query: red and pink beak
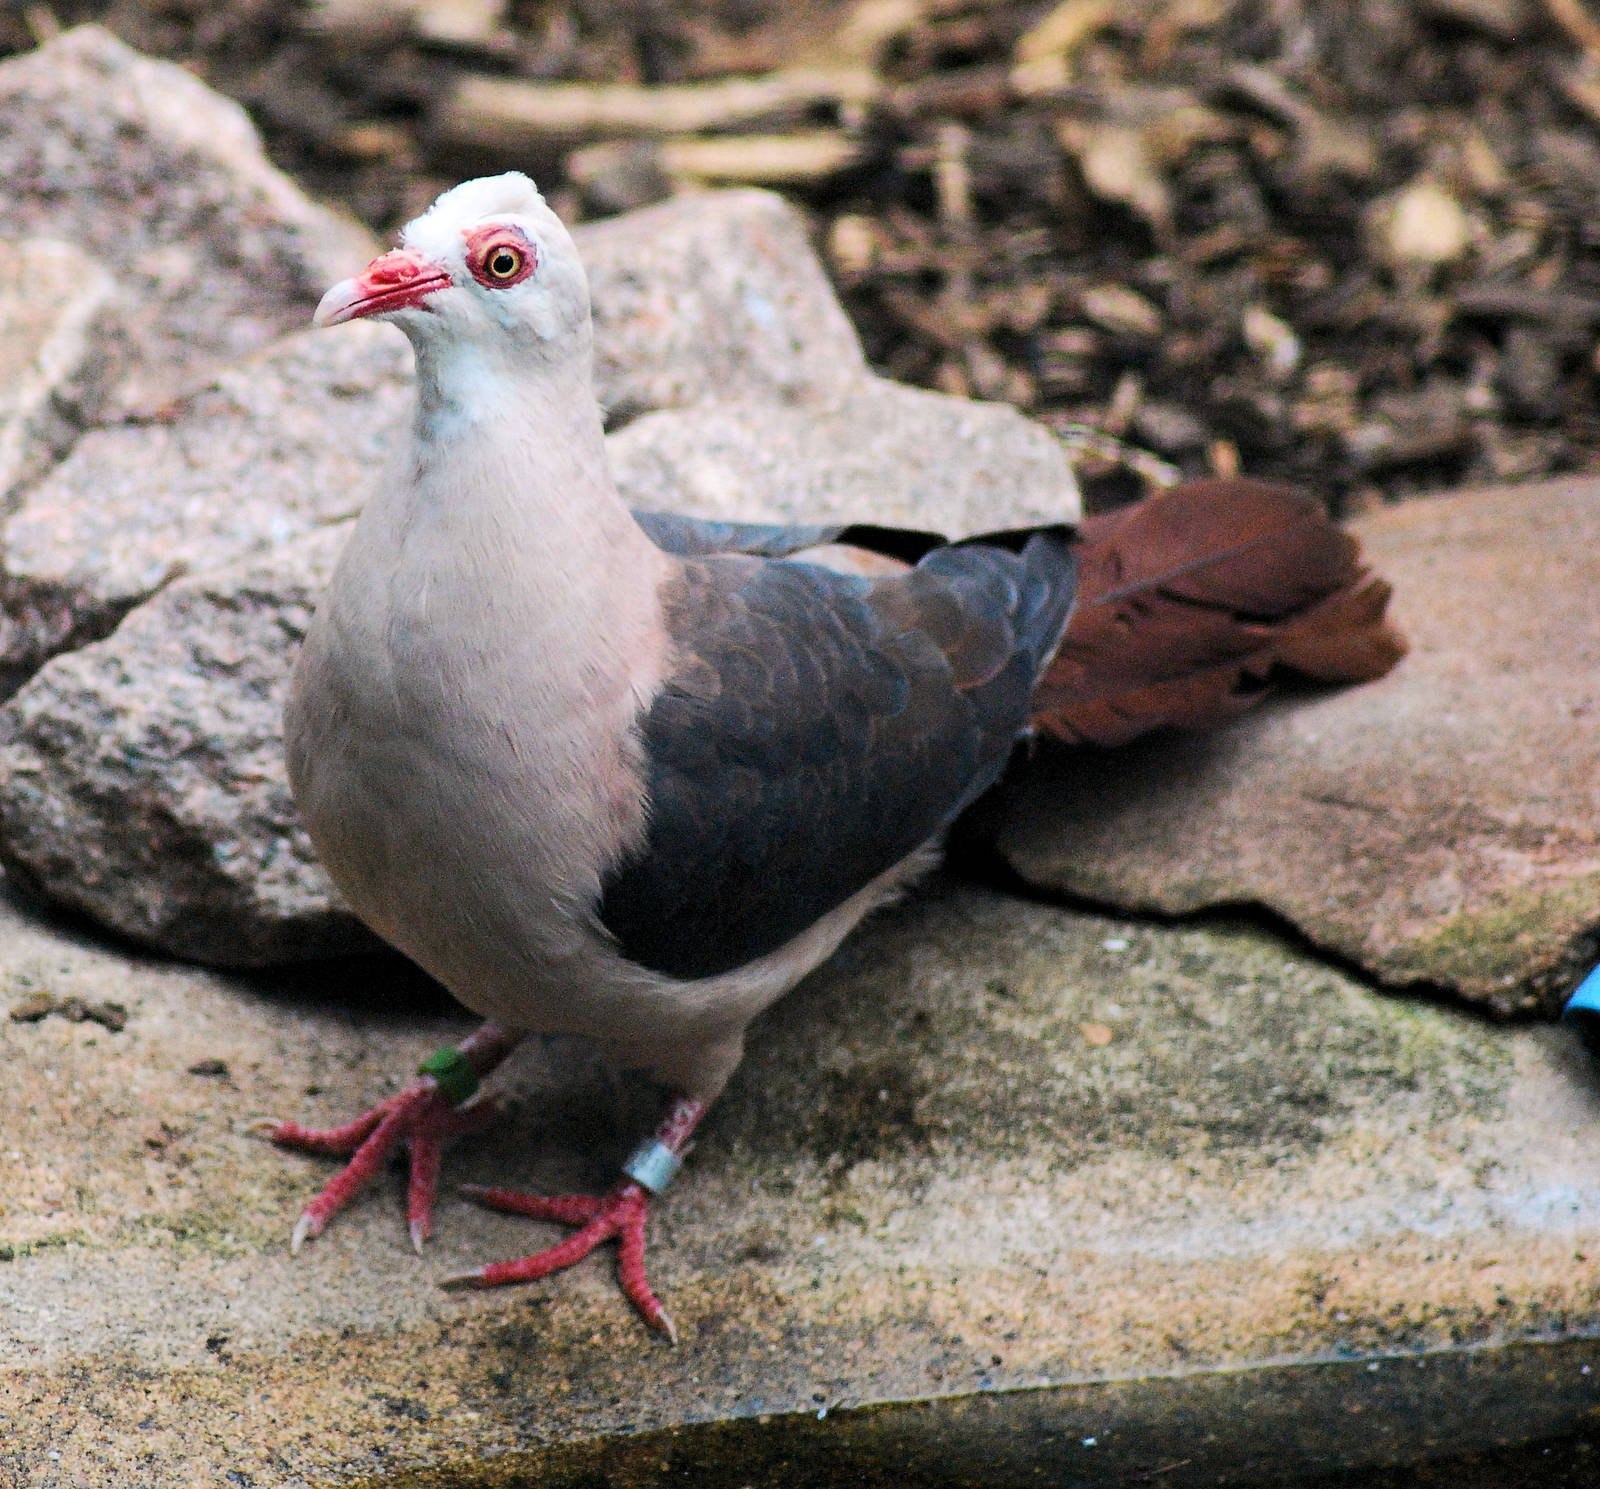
400 280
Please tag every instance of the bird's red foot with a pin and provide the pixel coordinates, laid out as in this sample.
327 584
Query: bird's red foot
423 1117
620 1214
419 1117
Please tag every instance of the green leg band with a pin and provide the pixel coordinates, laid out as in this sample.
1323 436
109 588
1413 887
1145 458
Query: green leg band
458 1081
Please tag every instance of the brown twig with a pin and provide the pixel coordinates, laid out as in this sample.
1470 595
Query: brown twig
1084 439
1572 18
761 159
507 114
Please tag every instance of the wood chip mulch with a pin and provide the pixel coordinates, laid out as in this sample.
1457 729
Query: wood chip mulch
1354 245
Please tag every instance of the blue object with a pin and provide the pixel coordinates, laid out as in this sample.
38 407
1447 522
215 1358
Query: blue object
1583 1010
652 1164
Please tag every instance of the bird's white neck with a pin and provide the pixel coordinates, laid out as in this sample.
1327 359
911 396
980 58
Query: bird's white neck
509 467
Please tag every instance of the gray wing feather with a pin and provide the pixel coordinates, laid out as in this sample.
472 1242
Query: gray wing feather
698 537
820 728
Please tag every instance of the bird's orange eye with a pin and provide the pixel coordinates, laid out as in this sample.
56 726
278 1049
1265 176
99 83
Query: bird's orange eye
503 263
500 257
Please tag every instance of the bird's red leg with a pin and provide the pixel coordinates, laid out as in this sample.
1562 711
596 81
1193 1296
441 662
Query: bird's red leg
620 1214
424 1116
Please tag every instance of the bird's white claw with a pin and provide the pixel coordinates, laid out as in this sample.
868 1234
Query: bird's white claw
263 1126
462 1280
419 1234
669 1328
304 1229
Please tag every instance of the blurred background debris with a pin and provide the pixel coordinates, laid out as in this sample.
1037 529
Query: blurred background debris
1356 246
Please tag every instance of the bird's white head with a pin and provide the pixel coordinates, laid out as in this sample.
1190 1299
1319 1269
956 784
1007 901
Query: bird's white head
487 271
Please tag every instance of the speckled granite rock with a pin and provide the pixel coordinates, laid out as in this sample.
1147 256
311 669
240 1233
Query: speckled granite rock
713 296
144 775
1049 1181
878 450
286 442
61 350
143 167
1439 827
139 164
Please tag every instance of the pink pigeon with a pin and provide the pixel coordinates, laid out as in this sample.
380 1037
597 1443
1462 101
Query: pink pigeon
631 776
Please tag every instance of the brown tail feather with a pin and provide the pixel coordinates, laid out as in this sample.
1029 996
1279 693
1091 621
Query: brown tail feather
1193 602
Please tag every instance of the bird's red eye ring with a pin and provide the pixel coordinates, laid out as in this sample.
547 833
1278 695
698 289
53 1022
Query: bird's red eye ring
500 257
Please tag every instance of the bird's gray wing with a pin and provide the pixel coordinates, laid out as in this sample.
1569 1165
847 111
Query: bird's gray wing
817 729
699 537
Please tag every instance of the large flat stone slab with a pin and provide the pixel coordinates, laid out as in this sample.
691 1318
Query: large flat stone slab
1440 827
1048 1180
141 166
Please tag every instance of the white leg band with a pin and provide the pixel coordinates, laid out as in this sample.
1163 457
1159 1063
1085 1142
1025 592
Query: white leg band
653 1165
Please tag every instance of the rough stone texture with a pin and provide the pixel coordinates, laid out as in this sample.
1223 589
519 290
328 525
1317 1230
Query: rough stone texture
288 441
144 775
710 297
1439 827
145 169
934 1182
61 350
880 452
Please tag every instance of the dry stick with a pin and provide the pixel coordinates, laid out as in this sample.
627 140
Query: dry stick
1084 439
43 23
1042 60
763 159
952 179
1576 22
1064 29
756 159
952 176
472 25
507 114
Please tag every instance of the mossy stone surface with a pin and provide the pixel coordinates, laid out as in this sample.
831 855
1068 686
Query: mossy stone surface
935 1181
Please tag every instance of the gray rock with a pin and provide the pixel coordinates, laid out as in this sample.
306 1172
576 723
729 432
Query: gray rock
286 442
712 297
1440 827
61 349
876 451
999 1180
144 775
146 170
